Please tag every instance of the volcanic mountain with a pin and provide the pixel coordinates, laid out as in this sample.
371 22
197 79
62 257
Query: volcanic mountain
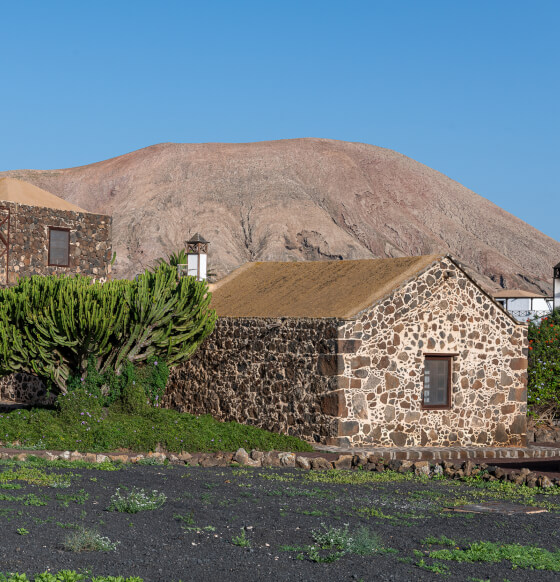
298 199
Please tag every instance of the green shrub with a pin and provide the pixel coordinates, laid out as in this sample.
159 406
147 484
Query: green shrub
133 399
56 326
543 382
81 406
153 379
132 391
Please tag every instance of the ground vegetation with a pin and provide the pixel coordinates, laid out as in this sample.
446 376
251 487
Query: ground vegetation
267 524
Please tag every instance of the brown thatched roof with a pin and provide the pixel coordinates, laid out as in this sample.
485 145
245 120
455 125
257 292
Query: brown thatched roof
514 293
12 190
313 288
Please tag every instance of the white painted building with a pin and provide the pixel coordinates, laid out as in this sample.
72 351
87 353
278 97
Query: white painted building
524 305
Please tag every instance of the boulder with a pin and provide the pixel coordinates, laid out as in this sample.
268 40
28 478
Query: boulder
320 464
421 468
395 465
359 460
404 466
303 463
271 459
242 457
287 459
544 482
344 462
184 457
208 460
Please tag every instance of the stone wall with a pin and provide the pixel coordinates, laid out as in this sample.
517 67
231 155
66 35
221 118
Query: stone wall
271 373
381 381
24 389
90 242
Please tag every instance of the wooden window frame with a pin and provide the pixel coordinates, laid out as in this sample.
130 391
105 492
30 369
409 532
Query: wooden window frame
51 228
449 358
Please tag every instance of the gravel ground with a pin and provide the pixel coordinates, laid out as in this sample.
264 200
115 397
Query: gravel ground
199 532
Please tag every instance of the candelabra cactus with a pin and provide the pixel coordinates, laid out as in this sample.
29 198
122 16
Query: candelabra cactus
51 326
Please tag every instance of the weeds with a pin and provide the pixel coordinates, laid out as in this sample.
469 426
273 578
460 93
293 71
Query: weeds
65 576
436 568
135 500
35 476
186 519
29 499
356 477
241 540
441 541
362 543
527 557
87 540
65 498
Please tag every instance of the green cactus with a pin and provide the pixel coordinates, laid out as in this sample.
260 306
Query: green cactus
50 326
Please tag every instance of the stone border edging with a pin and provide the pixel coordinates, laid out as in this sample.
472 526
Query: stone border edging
358 461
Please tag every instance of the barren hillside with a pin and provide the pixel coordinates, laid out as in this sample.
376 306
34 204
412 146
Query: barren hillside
300 199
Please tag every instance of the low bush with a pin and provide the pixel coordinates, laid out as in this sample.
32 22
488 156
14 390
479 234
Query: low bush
132 389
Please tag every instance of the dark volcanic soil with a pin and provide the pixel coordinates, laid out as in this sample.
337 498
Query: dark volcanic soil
191 536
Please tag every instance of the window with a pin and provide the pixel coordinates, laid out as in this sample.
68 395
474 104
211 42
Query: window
59 247
437 381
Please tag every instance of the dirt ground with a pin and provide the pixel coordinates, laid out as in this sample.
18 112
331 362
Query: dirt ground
261 524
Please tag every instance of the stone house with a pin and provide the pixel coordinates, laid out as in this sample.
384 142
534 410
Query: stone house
42 234
392 352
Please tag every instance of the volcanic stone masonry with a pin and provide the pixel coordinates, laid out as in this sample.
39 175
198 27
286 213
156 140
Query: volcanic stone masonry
263 372
360 381
441 311
90 242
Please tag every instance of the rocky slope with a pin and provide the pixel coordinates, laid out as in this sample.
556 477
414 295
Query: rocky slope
300 199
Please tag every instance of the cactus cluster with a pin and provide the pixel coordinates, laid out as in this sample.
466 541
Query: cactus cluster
50 326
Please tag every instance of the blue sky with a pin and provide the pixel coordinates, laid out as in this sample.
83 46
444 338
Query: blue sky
468 88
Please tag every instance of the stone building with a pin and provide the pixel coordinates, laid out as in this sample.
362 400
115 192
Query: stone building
42 234
392 352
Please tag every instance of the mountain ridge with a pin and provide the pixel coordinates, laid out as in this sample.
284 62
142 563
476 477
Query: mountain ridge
299 199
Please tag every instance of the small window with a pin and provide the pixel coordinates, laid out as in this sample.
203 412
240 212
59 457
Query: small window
437 382
59 247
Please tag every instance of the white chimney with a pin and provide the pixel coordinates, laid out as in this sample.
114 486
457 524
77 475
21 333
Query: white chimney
197 257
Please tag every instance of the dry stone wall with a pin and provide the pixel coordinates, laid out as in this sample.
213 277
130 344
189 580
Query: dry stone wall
277 374
90 242
441 311
24 389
